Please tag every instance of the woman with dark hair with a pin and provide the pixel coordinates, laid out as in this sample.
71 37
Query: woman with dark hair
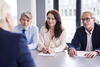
52 37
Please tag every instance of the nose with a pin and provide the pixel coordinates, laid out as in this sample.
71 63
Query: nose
84 21
25 21
50 20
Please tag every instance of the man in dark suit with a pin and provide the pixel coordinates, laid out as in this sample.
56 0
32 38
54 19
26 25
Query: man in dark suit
13 47
87 37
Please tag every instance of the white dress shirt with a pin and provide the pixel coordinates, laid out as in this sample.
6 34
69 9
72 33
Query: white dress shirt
89 46
31 33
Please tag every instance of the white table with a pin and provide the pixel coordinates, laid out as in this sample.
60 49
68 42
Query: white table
62 59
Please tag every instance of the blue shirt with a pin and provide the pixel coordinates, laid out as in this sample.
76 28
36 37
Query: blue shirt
31 33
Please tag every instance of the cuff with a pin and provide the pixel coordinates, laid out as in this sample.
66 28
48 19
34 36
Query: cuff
98 51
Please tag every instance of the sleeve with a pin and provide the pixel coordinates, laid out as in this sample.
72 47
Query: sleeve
63 44
41 39
24 57
75 41
35 38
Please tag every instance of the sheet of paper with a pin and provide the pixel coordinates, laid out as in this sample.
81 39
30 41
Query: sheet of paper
43 54
81 53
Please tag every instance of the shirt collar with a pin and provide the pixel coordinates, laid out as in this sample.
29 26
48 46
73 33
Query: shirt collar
90 31
24 28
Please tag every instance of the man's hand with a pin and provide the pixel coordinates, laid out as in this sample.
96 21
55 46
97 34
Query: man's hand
91 54
72 52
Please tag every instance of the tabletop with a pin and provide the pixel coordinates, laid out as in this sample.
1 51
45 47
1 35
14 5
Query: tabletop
62 59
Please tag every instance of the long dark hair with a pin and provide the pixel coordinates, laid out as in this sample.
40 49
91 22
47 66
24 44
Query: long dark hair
58 26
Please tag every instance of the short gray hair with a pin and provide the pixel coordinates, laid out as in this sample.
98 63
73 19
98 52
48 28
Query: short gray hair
4 7
89 12
28 14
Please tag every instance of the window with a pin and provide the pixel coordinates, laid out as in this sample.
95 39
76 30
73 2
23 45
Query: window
49 5
93 6
67 10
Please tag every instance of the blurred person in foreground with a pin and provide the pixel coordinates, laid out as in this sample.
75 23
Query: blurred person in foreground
87 37
13 47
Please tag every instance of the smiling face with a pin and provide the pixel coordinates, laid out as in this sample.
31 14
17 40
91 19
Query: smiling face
51 21
88 21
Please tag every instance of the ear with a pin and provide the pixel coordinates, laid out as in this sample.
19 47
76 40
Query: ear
9 21
6 19
20 19
94 20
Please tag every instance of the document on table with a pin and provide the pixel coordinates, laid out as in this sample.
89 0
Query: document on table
81 53
43 54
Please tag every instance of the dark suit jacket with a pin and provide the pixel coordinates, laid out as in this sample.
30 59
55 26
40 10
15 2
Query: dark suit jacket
80 38
14 51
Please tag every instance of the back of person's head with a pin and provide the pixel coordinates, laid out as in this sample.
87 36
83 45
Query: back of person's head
27 14
4 8
6 21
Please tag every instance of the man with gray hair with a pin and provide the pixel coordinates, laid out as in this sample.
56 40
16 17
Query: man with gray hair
25 27
87 37
13 49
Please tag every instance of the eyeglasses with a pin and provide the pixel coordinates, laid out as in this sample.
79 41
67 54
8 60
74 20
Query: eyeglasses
86 19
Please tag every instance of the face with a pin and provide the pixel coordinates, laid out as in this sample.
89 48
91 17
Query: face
87 21
51 20
25 21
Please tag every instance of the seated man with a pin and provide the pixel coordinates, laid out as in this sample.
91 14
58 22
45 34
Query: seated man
13 47
30 31
87 37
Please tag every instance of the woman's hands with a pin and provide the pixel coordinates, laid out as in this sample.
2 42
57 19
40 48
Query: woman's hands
47 50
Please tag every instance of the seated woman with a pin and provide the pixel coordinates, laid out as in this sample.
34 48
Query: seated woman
52 36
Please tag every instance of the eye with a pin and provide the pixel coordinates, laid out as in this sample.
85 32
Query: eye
53 18
85 19
48 18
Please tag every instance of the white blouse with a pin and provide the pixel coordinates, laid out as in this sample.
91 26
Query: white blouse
45 41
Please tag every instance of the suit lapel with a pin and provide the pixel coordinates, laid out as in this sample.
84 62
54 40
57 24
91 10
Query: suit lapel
85 40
